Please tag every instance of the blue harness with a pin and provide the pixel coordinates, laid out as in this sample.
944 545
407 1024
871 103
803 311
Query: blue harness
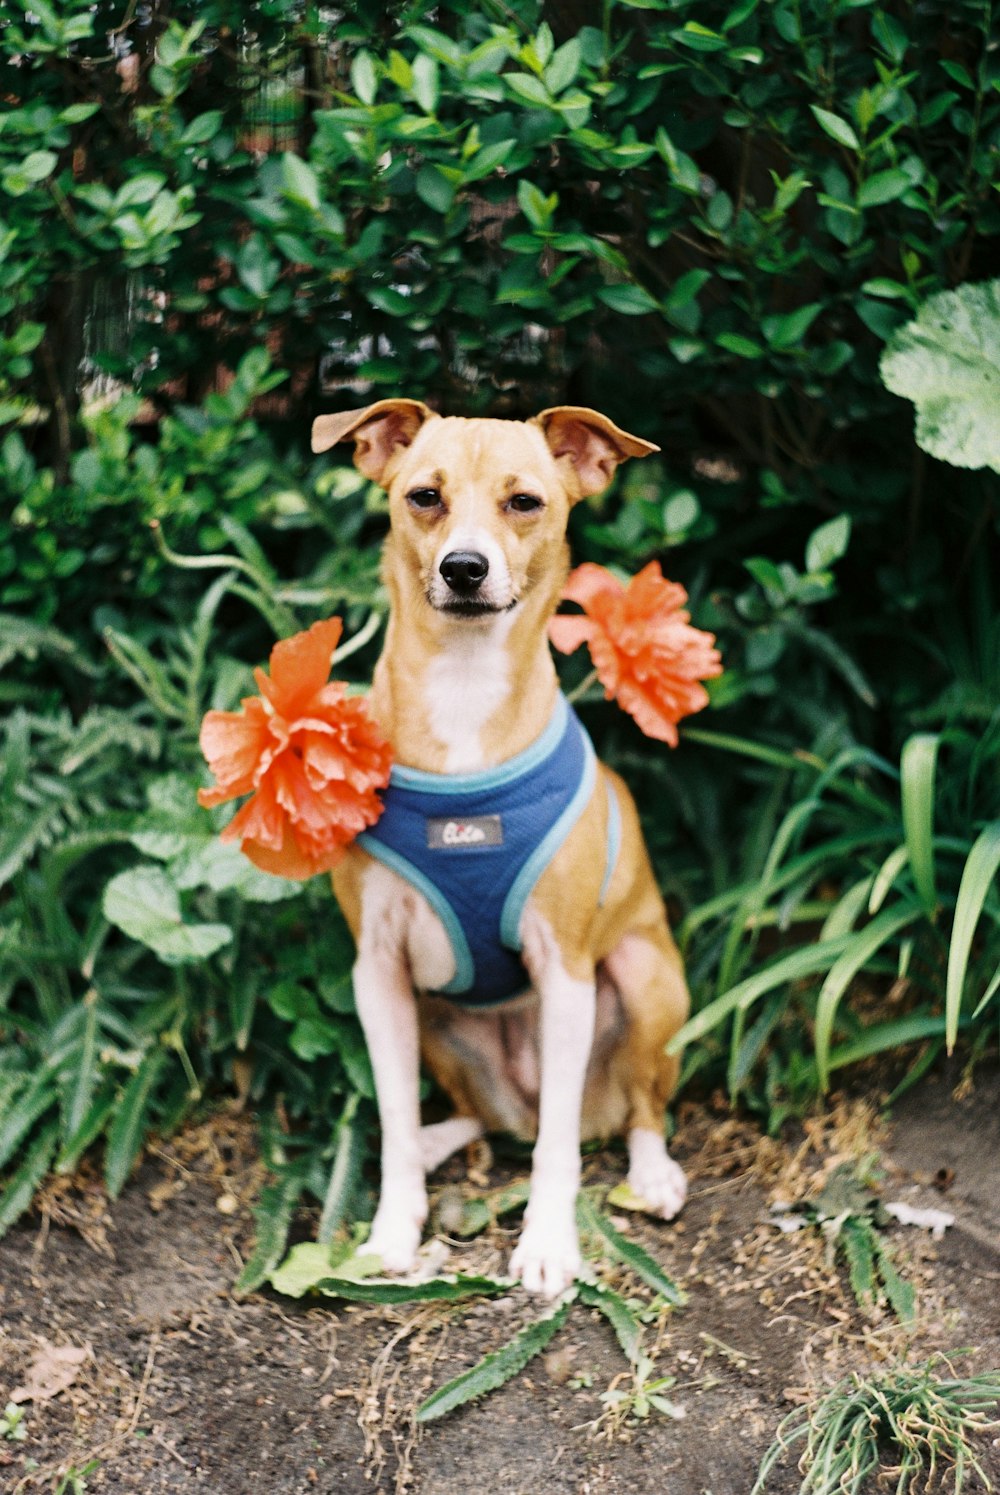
476 844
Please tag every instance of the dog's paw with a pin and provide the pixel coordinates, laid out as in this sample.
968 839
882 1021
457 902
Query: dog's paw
654 1176
395 1233
547 1258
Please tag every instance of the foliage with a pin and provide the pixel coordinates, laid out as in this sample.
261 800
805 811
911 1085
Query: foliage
948 362
708 219
910 1420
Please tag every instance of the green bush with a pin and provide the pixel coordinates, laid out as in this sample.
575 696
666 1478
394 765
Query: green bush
709 220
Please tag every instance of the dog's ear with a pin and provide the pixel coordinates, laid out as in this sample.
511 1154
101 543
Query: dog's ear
378 430
592 445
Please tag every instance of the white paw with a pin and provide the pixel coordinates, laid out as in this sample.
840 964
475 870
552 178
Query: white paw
395 1233
653 1174
547 1258
663 1186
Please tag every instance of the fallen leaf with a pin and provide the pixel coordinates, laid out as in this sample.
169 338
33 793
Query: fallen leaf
53 1370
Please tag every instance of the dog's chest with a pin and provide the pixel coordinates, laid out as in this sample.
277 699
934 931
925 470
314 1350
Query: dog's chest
464 686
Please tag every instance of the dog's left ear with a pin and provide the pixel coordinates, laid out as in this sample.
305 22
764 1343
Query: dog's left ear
592 445
378 431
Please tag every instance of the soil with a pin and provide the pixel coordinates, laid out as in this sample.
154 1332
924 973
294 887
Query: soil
184 1388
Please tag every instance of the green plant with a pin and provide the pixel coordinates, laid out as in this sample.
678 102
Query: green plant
911 1421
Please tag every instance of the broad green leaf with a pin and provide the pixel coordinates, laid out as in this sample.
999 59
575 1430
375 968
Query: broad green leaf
145 905
838 129
313 1262
882 187
364 79
299 181
787 329
628 300
499 1367
947 362
828 543
918 764
978 876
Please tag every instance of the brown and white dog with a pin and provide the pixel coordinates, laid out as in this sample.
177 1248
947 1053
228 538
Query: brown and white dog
475 564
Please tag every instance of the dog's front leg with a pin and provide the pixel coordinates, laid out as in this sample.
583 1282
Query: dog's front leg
548 1254
388 1011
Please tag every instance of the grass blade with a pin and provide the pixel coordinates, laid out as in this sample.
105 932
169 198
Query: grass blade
806 961
20 1189
977 878
628 1329
128 1130
886 876
499 1367
860 950
629 1253
917 768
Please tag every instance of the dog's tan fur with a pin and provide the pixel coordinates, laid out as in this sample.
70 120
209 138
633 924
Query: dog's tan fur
491 1064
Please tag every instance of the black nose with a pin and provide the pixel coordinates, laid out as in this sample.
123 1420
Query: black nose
464 571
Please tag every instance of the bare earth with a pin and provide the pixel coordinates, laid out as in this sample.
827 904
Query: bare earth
183 1388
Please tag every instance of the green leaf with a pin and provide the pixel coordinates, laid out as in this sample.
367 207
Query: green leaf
792 967
145 905
828 543
862 947
564 66
313 1262
364 79
273 1215
628 300
918 764
628 1329
899 1294
595 1222
838 129
947 362
20 1189
298 180
434 1290
498 1367
425 82
978 876
20 1117
435 189
787 329
882 187
743 347
128 1130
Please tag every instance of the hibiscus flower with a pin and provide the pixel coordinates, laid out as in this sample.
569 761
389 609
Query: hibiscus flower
310 756
645 652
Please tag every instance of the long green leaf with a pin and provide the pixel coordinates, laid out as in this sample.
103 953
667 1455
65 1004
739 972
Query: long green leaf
977 878
629 1253
860 950
435 1290
21 1117
792 967
92 1124
900 1294
128 1130
917 769
627 1327
273 1216
345 1171
85 1078
20 1190
499 1367
886 876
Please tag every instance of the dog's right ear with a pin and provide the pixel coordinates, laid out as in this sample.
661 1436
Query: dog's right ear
378 430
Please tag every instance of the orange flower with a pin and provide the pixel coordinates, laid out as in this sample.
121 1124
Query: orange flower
309 755
644 649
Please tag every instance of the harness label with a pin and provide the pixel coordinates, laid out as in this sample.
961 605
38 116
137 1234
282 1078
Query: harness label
447 834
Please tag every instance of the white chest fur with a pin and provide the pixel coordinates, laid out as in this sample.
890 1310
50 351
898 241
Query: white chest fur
465 684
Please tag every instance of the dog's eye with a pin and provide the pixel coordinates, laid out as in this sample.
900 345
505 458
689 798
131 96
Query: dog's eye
424 498
524 503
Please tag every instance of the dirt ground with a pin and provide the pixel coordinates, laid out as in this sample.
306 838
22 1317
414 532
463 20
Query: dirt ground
179 1387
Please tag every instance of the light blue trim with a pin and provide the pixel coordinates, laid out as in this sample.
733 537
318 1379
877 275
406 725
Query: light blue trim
464 968
510 916
614 840
490 778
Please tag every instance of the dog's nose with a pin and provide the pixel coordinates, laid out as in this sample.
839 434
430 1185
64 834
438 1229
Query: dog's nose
464 571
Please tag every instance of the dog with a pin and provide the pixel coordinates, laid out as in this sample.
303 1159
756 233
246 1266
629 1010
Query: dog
540 991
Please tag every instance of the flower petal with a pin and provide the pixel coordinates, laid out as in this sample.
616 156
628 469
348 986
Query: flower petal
300 667
568 633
